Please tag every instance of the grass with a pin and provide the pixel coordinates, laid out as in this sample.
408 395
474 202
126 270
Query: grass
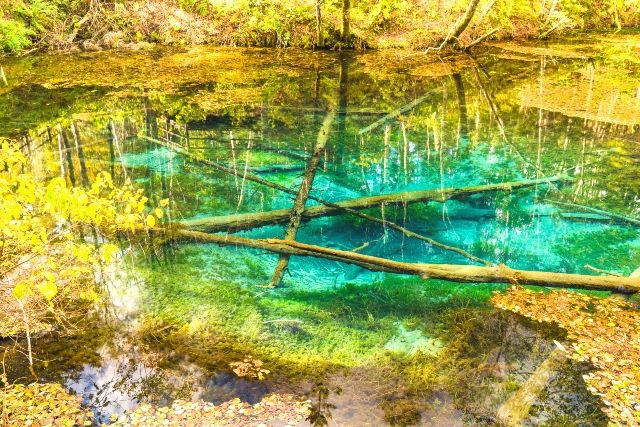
345 326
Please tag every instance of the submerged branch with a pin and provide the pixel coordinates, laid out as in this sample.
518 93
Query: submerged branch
339 208
618 217
300 202
516 409
599 270
247 221
449 272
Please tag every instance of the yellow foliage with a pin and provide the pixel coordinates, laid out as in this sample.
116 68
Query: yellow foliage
603 331
41 405
43 258
273 409
250 367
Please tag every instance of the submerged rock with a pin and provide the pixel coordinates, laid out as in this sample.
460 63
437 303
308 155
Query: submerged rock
412 341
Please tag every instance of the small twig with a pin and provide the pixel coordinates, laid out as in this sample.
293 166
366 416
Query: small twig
283 320
598 270
25 318
361 247
3 76
481 39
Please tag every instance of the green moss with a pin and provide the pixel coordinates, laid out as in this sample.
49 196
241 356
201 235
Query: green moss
607 248
297 330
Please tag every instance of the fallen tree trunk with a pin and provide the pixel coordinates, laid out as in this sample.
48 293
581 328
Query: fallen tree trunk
516 409
247 221
299 204
340 208
450 272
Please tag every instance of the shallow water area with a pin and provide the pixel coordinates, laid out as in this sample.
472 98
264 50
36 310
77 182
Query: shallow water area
365 347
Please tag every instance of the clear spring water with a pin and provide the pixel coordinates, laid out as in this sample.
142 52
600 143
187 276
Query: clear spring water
390 349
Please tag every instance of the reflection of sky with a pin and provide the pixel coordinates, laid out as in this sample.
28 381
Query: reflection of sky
111 387
123 287
127 375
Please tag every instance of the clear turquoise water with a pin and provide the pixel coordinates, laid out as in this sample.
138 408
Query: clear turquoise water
391 349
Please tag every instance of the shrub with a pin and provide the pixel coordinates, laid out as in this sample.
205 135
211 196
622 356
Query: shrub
14 35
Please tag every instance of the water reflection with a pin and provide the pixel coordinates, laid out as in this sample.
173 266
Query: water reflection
391 125
321 408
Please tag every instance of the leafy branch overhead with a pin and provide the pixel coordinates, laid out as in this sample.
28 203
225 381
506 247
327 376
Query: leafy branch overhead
43 263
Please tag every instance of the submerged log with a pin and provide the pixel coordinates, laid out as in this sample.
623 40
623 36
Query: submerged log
300 202
326 203
516 409
247 221
274 169
450 272
612 215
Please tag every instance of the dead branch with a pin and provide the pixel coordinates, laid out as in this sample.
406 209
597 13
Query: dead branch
383 222
449 272
300 201
599 270
247 221
481 39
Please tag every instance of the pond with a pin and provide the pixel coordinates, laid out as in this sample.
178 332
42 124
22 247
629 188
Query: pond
197 125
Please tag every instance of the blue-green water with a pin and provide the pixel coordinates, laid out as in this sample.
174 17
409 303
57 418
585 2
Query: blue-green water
391 349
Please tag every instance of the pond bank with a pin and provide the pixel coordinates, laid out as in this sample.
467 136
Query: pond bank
27 26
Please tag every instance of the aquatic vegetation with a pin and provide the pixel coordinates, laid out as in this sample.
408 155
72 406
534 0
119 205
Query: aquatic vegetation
401 412
623 252
601 331
298 331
